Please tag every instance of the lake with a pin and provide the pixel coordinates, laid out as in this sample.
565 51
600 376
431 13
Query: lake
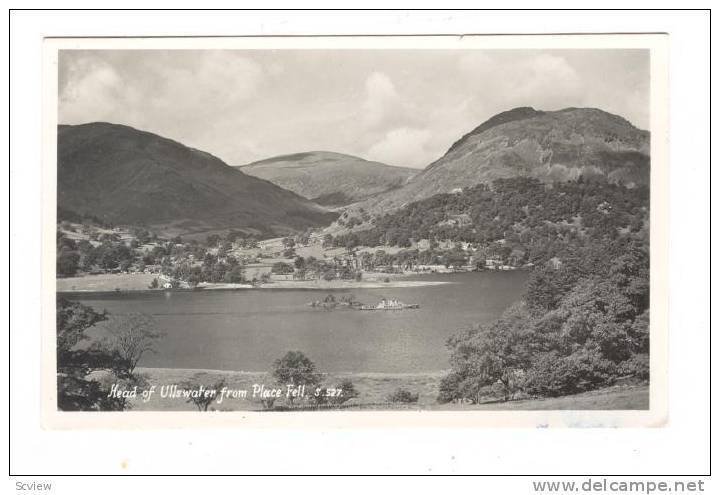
246 330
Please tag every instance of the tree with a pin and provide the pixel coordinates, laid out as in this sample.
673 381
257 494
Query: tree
547 286
142 236
203 395
224 247
236 275
212 240
579 336
72 319
486 354
347 392
304 238
319 397
132 336
596 314
450 386
288 242
75 390
327 241
282 268
67 257
267 402
403 396
296 369
455 260
67 262
637 366
553 375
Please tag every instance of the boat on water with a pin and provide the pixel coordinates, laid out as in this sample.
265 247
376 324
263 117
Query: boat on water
388 305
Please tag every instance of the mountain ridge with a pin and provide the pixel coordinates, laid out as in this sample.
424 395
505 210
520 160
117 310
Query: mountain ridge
128 176
552 146
330 178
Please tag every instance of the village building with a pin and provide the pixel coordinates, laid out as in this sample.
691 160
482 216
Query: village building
493 263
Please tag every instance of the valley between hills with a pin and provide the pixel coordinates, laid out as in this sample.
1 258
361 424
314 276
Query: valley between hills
561 196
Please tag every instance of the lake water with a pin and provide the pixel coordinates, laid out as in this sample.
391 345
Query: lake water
246 330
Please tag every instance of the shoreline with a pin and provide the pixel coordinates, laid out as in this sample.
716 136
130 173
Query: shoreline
127 283
315 285
359 374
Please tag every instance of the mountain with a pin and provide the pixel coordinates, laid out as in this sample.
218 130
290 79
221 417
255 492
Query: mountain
524 142
327 178
125 176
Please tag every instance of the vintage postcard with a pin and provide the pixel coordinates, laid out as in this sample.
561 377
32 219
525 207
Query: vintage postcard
355 231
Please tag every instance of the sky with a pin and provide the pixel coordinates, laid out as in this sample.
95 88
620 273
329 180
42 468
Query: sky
400 107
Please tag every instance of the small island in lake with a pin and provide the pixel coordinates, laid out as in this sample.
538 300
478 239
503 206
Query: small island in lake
349 302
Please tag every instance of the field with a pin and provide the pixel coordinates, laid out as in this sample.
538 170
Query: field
374 389
106 282
619 397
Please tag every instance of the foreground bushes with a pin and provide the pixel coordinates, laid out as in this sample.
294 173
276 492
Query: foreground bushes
553 375
582 336
403 396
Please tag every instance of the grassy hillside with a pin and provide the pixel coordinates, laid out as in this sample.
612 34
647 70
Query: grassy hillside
374 389
332 179
125 176
550 146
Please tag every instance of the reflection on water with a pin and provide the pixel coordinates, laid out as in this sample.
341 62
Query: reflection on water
248 329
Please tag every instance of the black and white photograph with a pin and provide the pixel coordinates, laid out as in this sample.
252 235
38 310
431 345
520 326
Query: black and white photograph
252 249
329 229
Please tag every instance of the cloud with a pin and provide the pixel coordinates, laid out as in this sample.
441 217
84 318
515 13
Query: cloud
402 107
380 87
93 88
547 75
181 98
382 104
544 81
214 82
403 146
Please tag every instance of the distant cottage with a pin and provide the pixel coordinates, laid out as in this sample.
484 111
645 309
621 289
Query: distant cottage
460 220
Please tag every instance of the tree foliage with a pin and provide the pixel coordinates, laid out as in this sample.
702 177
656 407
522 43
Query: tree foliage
294 368
205 394
348 392
76 390
520 220
403 396
580 327
132 336
282 268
